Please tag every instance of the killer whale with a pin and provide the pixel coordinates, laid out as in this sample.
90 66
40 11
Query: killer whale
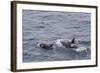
73 45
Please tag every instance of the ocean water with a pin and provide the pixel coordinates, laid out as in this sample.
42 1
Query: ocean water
48 26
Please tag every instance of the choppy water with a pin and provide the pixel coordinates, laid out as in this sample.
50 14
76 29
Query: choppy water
49 26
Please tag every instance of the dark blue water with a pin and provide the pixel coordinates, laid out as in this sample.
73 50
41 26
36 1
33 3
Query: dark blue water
49 26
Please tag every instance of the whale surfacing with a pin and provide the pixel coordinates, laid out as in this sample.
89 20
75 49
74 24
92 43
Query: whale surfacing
45 45
72 45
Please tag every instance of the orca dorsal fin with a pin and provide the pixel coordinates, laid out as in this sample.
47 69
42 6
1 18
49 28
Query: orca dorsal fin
73 40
